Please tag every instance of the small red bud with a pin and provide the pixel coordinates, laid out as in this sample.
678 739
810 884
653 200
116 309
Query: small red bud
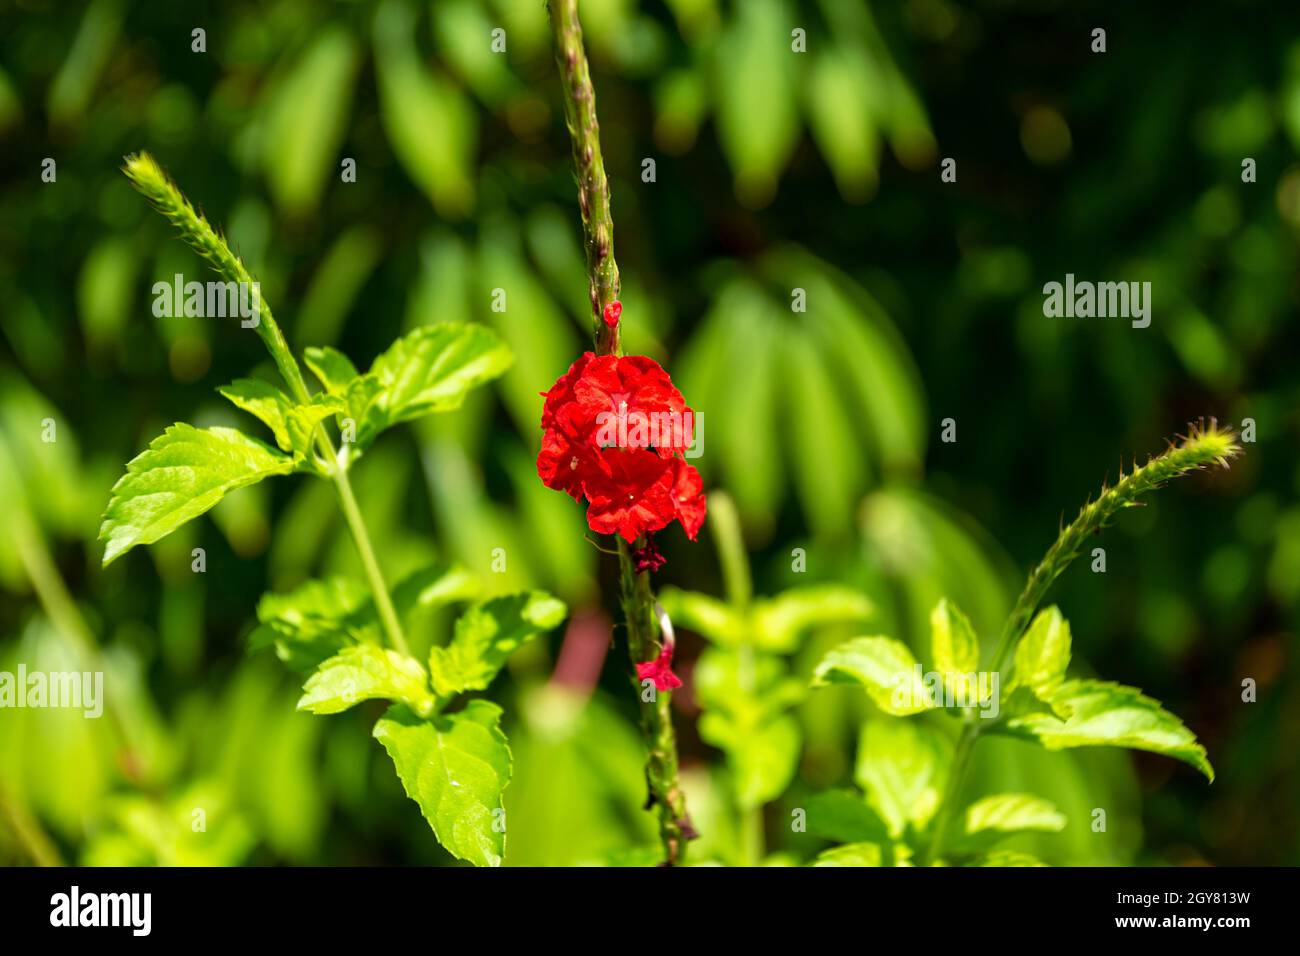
612 313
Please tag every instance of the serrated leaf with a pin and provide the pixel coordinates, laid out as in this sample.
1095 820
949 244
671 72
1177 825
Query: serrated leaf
429 370
486 635
334 369
293 425
455 767
1103 714
315 621
367 672
705 615
884 667
1043 654
778 623
844 816
851 854
264 402
903 766
1005 814
762 755
184 472
955 650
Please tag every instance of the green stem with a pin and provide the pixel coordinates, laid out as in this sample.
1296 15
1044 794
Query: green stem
53 594
589 169
666 795
27 832
636 595
148 177
1203 446
352 514
952 790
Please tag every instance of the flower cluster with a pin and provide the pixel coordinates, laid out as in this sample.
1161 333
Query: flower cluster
629 490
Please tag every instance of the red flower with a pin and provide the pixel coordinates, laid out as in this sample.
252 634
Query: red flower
660 671
602 418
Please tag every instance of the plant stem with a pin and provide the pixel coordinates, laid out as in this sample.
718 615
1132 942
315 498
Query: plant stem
665 794
1203 446
27 832
952 790
53 594
636 596
589 169
352 514
148 177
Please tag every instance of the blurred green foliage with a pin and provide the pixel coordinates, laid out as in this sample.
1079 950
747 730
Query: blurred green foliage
775 171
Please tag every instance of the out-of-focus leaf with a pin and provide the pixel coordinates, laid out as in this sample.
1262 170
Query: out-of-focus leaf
778 623
903 767
954 649
1003 815
72 88
842 112
703 614
826 459
431 127
306 119
851 854
336 284
754 74
464 34
844 816
762 755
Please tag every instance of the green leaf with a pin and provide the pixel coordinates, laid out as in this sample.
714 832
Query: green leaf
1006 858
334 369
779 623
315 621
703 614
433 368
1043 654
1006 814
1103 714
435 586
431 127
429 370
264 402
885 667
844 816
184 472
367 672
762 755
903 767
851 854
293 425
306 118
455 767
486 635
955 649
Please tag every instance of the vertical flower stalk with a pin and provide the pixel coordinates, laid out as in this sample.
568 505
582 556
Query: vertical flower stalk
645 642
